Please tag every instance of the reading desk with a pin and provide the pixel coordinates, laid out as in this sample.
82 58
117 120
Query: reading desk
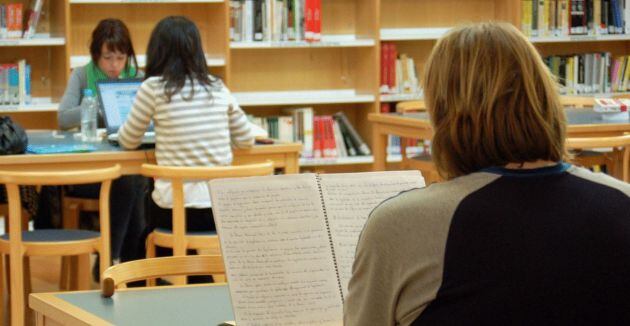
165 305
284 156
582 123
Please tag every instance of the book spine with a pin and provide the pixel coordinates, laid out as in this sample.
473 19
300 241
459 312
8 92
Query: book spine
526 19
33 19
3 21
317 134
14 84
341 148
362 147
4 84
258 20
391 79
308 20
597 16
317 21
384 68
14 20
22 81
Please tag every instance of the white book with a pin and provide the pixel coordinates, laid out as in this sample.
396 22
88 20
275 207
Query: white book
341 147
33 19
288 241
588 73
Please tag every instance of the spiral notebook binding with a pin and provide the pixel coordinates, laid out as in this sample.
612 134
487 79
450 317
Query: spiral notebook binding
330 239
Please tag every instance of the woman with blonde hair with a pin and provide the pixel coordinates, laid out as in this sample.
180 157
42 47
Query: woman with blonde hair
515 235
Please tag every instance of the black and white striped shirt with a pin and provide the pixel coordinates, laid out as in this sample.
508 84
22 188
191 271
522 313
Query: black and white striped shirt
193 132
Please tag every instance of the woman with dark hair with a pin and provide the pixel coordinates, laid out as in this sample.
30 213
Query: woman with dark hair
195 117
113 57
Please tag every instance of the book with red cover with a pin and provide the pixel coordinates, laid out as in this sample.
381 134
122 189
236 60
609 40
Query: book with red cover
385 68
308 20
393 55
317 137
317 20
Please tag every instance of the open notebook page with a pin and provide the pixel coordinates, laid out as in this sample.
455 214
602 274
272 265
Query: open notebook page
277 250
350 198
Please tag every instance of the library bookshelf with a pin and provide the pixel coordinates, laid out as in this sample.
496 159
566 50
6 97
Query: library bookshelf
340 73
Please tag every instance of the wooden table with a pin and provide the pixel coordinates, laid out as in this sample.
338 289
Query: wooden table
285 156
582 123
164 305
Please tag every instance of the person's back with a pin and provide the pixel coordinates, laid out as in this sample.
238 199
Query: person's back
515 236
499 247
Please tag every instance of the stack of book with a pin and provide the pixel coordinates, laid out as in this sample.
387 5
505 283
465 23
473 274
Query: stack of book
15 23
590 73
322 136
15 83
398 72
275 20
544 18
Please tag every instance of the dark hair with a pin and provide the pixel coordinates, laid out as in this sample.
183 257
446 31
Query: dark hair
114 34
175 53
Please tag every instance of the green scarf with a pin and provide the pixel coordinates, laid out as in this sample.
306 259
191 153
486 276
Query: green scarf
94 74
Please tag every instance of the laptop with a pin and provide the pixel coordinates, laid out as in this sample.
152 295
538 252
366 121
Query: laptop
116 99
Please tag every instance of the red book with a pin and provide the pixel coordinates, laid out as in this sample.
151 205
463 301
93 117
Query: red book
317 137
386 108
14 20
308 20
393 55
317 20
385 67
330 146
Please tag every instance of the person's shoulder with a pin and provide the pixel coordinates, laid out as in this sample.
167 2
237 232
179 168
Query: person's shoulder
600 178
429 204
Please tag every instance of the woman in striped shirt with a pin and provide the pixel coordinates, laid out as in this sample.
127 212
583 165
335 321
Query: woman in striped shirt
196 118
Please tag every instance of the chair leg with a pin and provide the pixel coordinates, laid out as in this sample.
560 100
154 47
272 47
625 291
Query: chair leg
84 274
2 296
70 220
151 254
17 290
28 315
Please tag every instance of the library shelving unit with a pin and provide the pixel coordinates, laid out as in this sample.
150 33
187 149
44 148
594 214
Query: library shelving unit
340 73
46 53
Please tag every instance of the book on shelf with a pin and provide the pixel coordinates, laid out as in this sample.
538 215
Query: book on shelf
275 20
322 136
288 241
16 22
15 83
548 18
398 72
590 73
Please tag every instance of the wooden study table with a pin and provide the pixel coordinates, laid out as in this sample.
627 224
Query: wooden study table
284 156
163 305
581 123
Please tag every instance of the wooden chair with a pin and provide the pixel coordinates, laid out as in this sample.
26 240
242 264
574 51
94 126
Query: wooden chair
621 148
178 238
577 101
421 162
19 244
118 275
71 208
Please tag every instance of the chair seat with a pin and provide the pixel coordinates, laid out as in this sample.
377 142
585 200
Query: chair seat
190 233
55 235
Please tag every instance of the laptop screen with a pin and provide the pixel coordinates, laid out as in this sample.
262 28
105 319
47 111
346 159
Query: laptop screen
116 98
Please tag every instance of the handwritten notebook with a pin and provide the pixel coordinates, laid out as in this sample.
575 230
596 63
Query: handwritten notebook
288 241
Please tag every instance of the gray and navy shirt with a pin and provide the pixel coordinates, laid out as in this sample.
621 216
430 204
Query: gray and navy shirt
548 246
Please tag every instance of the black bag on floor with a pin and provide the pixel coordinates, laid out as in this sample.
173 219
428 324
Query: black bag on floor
13 139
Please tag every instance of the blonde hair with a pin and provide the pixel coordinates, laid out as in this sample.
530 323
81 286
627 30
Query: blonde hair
492 101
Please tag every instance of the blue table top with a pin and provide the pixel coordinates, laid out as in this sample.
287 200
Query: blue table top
189 305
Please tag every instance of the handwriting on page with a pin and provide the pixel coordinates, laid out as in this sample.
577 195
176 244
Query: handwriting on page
277 252
349 200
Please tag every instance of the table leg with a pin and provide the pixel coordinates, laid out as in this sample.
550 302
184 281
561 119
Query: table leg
379 148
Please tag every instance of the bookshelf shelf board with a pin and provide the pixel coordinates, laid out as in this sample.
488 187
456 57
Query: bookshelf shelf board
580 38
350 160
600 95
82 60
412 34
144 1
328 41
35 41
301 97
388 98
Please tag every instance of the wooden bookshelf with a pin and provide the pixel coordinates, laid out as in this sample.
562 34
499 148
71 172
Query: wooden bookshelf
341 73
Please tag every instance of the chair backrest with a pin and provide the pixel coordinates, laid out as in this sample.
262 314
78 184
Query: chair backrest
177 175
118 275
601 142
577 101
410 106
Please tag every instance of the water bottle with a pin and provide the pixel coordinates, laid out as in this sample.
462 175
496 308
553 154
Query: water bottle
89 116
